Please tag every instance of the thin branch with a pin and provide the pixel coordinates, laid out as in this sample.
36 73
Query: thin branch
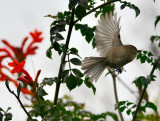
144 90
94 9
64 57
116 95
12 92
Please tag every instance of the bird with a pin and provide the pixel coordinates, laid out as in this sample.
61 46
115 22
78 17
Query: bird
113 54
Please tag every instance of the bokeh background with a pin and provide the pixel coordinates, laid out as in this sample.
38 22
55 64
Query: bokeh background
19 17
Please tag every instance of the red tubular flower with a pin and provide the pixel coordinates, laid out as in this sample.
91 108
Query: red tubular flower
36 36
23 78
17 67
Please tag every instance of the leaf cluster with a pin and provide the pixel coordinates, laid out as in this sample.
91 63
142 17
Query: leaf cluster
131 6
144 81
145 56
86 31
126 105
67 110
5 115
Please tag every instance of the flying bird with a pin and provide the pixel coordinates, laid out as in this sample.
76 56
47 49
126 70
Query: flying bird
113 54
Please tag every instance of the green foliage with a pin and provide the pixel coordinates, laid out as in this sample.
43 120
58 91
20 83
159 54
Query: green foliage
67 110
155 38
131 6
80 12
126 105
86 31
149 117
157 20
90 85
73 3
5 115
145 56
144 81
105 9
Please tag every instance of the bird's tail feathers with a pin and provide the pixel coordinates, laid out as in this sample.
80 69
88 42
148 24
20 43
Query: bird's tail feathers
94 67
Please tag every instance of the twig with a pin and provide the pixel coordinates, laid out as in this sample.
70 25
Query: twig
121 81
144 90
63 57
116 96
12 92
94 9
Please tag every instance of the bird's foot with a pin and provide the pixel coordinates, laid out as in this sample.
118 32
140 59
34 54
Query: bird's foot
119 70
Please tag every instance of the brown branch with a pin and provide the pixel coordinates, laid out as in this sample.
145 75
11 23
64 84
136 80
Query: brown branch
17 96
64 57
94 9
144 90
116 95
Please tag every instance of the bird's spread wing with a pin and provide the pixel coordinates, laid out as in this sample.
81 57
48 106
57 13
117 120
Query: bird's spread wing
107 34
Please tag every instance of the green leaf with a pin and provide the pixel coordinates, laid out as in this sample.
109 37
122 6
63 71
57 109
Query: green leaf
83 3
48 81
131 6
128 112
1 109
72 4
75 61
90 85
77 72
71 82
49 53
80 12
1 116
65 74
113 115
74 51
58 37
8 116
143 59
41 91
122 108
152 106
129 103
157 20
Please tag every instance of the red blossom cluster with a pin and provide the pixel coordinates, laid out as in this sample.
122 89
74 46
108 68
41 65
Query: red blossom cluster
18 55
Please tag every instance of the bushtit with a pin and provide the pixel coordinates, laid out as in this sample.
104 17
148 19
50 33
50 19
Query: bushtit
114 55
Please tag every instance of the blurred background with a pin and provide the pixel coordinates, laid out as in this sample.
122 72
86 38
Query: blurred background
19 17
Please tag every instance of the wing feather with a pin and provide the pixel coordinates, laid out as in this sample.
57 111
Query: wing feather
107 34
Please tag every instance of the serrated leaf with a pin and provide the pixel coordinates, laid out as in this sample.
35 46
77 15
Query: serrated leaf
75 61
71 82
157 20
49 53
152 106
80 12
77 72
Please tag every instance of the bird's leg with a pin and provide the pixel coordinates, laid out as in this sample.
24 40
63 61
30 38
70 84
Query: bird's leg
119 70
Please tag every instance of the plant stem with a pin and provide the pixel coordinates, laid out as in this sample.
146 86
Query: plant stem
64 57
94 9
116 95
12 92
144 90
